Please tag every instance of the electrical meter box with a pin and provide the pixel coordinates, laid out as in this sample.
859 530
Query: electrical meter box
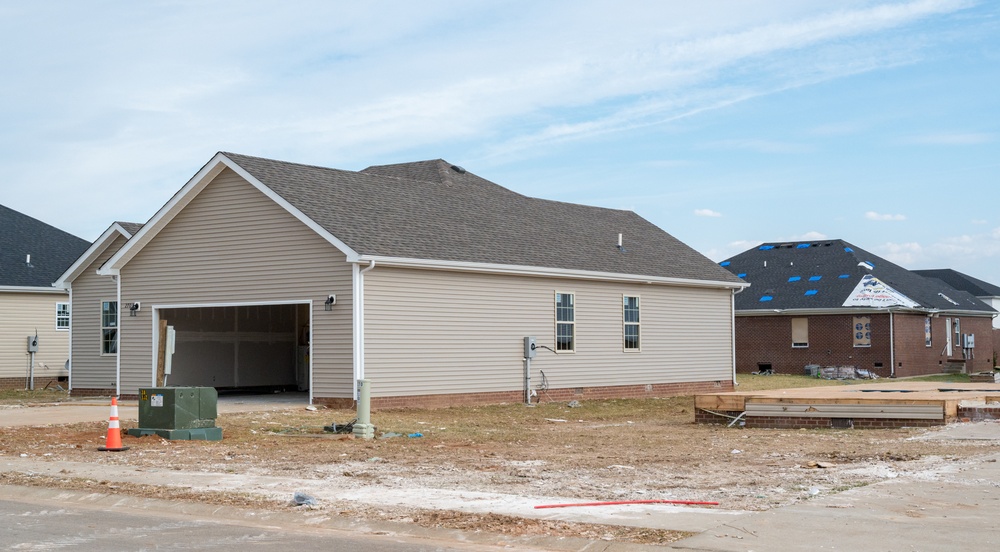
529 347
184 413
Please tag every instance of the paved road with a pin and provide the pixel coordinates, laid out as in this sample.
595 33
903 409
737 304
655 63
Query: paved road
36 520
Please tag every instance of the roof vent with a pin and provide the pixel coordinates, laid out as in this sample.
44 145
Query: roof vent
458 169
867 265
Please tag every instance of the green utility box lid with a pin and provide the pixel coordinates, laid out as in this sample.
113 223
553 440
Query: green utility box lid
187 413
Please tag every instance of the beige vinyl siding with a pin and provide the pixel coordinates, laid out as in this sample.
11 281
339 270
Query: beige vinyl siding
429 332
90 369
23 313
232 244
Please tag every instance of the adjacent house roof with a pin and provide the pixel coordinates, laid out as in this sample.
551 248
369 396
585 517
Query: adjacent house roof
962 281
51 250
834 274
436 211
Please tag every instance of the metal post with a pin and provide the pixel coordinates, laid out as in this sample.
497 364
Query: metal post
363 428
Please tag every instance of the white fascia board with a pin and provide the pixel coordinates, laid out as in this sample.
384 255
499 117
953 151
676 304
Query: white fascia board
85 260
33 289
546 272
187 193
313 225
164 215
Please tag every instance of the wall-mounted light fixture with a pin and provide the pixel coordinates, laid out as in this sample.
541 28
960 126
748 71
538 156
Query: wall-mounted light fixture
330 302
132 310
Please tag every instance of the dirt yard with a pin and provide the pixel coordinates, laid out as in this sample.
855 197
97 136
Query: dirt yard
593 451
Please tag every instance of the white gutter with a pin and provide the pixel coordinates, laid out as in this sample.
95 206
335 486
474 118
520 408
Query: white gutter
32 289
358 313
546 272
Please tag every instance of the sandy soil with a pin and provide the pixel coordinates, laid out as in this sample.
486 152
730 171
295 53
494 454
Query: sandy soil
598 451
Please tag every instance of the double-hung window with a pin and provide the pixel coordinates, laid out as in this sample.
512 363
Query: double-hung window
630 316
109 327
62 316
565 323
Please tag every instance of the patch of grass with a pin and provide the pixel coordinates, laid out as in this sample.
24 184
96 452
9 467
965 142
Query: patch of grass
752 382
23 396
944 378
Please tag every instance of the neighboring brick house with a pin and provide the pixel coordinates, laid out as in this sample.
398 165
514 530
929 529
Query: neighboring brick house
984 291
829 303
32 255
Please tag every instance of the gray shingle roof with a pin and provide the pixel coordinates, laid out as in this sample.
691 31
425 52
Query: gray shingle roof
962 281
130 227
433 210
52 250
830 269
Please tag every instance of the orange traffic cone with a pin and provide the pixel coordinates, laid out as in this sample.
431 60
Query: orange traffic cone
114 441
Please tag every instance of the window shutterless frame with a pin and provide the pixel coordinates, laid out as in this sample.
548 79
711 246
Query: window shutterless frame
630 324
62 316
109 327
565 322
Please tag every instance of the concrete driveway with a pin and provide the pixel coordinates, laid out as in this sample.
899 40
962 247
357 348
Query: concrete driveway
99 409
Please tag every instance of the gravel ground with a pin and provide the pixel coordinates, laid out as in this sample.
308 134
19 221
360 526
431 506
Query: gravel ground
597 451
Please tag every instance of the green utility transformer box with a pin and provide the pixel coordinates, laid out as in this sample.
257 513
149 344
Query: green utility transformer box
181 413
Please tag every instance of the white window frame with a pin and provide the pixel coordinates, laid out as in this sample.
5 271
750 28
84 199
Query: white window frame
571 324
626 324
105 327
62 313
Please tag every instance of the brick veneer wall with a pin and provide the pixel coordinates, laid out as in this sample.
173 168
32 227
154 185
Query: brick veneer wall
791 422
768 340
546 396
979 413
40 382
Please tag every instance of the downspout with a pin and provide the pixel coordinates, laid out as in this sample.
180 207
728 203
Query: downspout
359 322
892 348
117 275
69 367
732 327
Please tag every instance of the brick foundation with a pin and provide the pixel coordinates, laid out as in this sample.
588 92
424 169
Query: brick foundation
790 422
979 413
40 382
546 396
109 392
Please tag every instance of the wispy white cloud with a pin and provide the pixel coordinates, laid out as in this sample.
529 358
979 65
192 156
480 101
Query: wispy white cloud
907 255
707 213
872 215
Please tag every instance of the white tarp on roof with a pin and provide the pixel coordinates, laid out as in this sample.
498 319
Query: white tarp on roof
872 292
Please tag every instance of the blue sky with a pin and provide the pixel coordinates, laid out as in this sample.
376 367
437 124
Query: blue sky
726 123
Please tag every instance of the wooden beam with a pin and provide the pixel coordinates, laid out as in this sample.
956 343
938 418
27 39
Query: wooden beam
161 355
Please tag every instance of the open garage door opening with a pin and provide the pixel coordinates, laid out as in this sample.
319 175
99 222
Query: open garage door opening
248 348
